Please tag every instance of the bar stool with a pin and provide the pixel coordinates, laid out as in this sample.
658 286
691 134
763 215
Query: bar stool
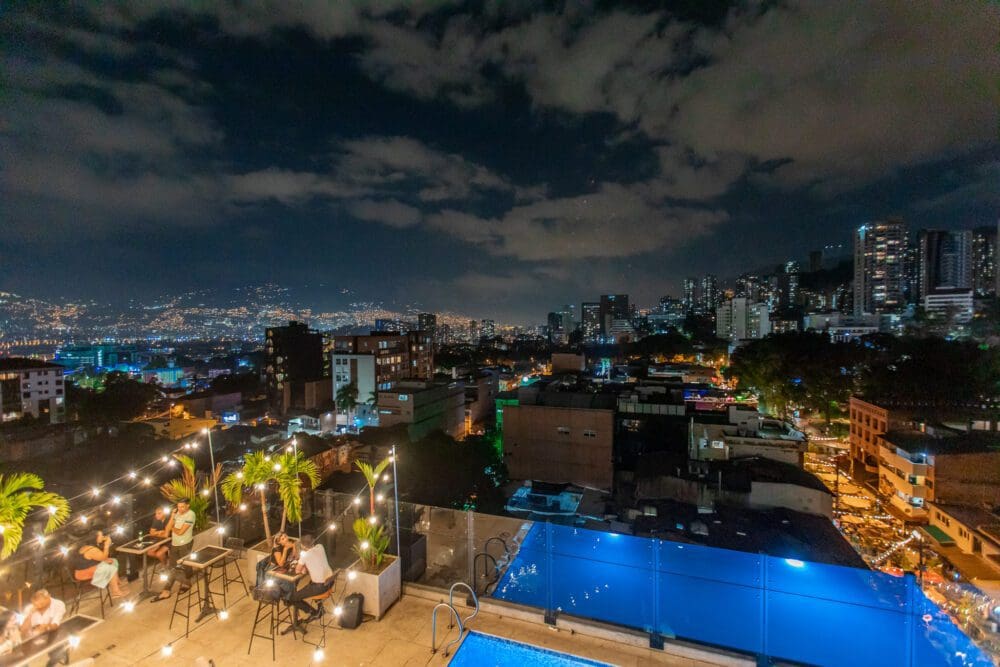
184 601
235 559
321 599
83 588
272 613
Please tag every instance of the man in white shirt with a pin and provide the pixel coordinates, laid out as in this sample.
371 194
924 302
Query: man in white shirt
313 561
44 614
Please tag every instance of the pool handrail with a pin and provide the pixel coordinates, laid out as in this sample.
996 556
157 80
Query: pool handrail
451 599
458 619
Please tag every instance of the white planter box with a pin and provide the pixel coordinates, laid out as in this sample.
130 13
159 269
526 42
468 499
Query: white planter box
380 590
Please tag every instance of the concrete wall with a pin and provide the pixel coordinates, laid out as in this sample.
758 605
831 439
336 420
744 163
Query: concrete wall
561 445
791 496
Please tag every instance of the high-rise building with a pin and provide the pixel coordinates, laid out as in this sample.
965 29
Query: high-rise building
590 314
614 307
293 355
709 295
487 329
984 261
945 260
427 322
555 327
569 320
749 286
690 294
879 267
740 318
788 285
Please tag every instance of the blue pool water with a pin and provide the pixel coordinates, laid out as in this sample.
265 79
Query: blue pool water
784 608
481 650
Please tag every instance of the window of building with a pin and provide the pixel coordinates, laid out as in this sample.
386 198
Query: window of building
562 430
589 434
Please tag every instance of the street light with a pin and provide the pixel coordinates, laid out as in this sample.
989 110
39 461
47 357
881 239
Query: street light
215 486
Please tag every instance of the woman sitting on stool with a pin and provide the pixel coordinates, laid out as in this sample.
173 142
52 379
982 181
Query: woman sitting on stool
91 562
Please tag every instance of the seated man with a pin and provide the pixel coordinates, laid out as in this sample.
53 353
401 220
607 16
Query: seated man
312 559
44 614
158 529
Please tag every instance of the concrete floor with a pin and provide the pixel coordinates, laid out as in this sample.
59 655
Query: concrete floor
401 638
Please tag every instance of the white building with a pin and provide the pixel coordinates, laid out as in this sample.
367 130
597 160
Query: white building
349 367
740 319
32 387
955 303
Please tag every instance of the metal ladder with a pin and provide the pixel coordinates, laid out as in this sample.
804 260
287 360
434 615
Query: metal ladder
458 620
485 555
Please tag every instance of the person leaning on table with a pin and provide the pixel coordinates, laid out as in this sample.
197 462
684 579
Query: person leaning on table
180 527
312 560
44 614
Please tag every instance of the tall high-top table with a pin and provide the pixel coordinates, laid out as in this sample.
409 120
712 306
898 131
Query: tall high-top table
141 546
201 563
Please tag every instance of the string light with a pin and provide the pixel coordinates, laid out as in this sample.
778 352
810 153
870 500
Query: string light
333 526
133 475
379 498
224 615
164 459
357 500
128 606
167 651
318 655
277 467
116 500
73 641
147 481
52 510
373 520
351 575
243 507
96 491
364 545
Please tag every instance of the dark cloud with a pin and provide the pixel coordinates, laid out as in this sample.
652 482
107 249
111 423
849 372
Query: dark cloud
132 115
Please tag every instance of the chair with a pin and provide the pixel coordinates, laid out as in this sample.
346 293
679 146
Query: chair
85 587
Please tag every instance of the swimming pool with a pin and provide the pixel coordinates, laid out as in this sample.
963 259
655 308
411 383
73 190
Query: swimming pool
488 651
784 608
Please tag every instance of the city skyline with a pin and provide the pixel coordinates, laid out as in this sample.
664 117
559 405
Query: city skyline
497 162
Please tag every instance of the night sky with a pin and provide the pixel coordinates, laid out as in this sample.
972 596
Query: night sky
490 158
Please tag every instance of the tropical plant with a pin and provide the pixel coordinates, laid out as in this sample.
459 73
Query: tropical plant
372 543
288 471
347 400
194 486
372 475
22 493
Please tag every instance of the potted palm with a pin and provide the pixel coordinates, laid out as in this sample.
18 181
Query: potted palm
288 472
375 574
22 493
196 487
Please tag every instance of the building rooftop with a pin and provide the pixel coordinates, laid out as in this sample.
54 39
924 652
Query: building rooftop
973 516
943 441
778 532
24 363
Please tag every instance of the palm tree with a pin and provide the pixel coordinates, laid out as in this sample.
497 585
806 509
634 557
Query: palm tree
347 399
187 487
21 493
295 469
259 470
372 475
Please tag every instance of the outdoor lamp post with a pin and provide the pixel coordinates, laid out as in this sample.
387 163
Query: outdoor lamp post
395 494
295 453
215 485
